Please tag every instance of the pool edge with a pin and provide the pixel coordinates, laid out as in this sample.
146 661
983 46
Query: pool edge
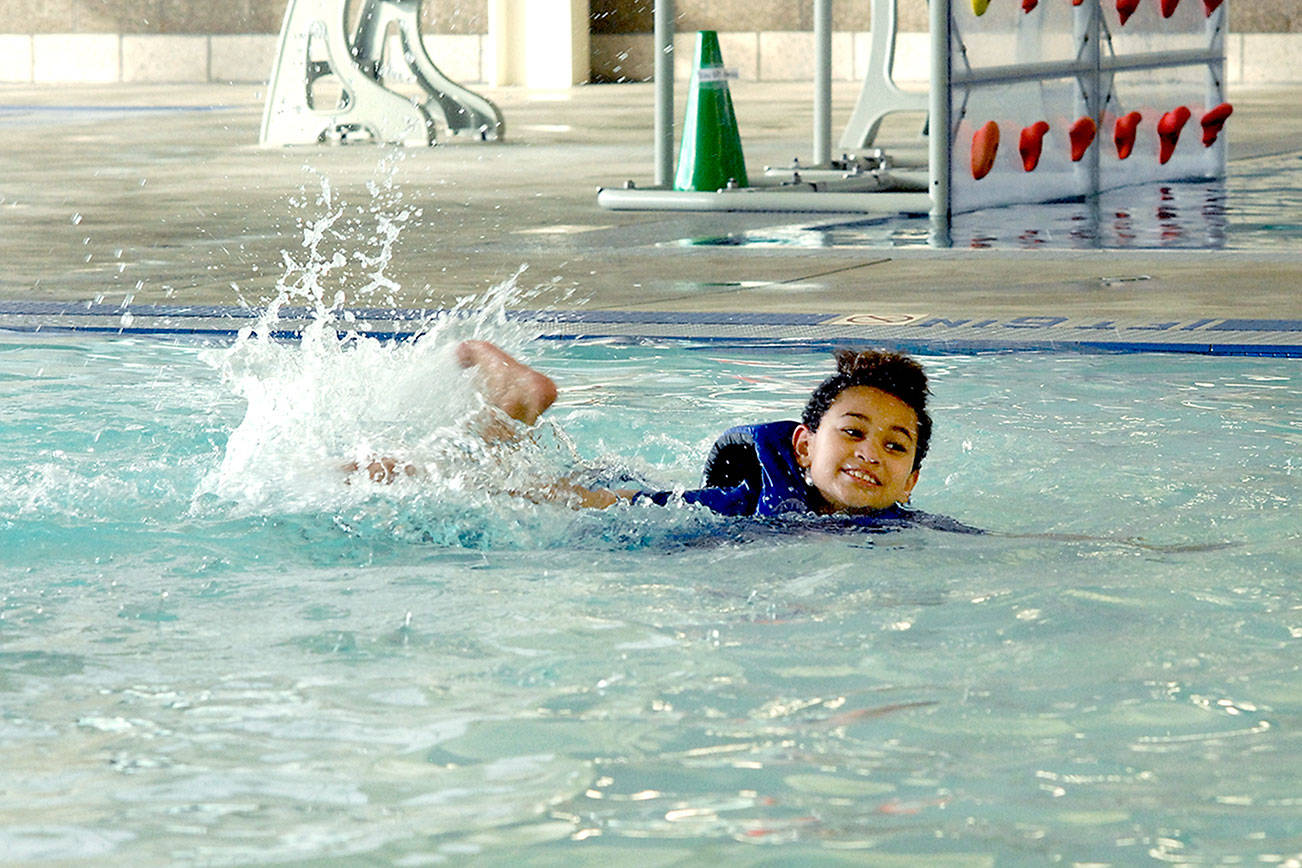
943 332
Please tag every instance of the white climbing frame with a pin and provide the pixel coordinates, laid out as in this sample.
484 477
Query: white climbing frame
1058 63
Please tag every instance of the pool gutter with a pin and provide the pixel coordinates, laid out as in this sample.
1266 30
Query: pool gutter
950 332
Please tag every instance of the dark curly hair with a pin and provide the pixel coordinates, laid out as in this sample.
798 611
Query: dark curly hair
893 373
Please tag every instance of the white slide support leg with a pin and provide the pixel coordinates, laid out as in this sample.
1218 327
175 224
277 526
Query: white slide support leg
880 96
314 43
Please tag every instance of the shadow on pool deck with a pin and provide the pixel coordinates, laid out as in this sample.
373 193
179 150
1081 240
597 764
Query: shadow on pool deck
159 194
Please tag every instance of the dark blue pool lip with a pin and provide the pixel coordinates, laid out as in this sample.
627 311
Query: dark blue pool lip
952 332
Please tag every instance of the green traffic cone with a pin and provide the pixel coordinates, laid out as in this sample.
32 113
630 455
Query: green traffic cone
710 155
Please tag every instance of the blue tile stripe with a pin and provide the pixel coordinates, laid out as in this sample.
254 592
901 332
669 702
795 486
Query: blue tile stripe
932 333
1259 325
672 317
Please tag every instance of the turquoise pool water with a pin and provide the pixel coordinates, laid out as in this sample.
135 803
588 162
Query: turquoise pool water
213 650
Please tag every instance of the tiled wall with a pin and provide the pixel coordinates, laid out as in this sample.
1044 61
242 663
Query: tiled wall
201 16
471 16
178 58
234 40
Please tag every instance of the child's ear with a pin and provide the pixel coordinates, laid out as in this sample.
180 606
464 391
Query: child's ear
800 444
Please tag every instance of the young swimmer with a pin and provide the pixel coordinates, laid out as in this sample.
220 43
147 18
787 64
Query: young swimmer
851 462
855 453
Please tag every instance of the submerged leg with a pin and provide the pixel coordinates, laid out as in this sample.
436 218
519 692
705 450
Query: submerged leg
521 393
524 394
508 384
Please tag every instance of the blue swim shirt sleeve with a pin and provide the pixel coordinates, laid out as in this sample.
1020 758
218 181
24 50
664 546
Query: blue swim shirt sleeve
738 500
741 500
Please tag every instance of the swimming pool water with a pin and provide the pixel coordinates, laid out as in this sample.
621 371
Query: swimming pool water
213 650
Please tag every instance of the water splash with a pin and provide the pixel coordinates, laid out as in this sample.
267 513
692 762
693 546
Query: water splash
335 398
322 407
337 239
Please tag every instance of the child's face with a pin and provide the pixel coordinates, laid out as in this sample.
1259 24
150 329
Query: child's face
861 456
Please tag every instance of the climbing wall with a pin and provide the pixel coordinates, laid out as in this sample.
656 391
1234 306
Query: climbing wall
1061 99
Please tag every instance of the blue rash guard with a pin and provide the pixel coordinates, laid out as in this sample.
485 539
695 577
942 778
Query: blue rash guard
751 470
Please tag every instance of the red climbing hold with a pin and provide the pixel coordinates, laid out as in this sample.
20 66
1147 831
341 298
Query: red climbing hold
1213 121
985 142
1028 5
1082 136
1126 8
1211 6
1124 133
1031 143
1168 131
1168 7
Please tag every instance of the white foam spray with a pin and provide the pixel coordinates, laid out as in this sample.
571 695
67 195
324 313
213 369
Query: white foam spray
335 397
